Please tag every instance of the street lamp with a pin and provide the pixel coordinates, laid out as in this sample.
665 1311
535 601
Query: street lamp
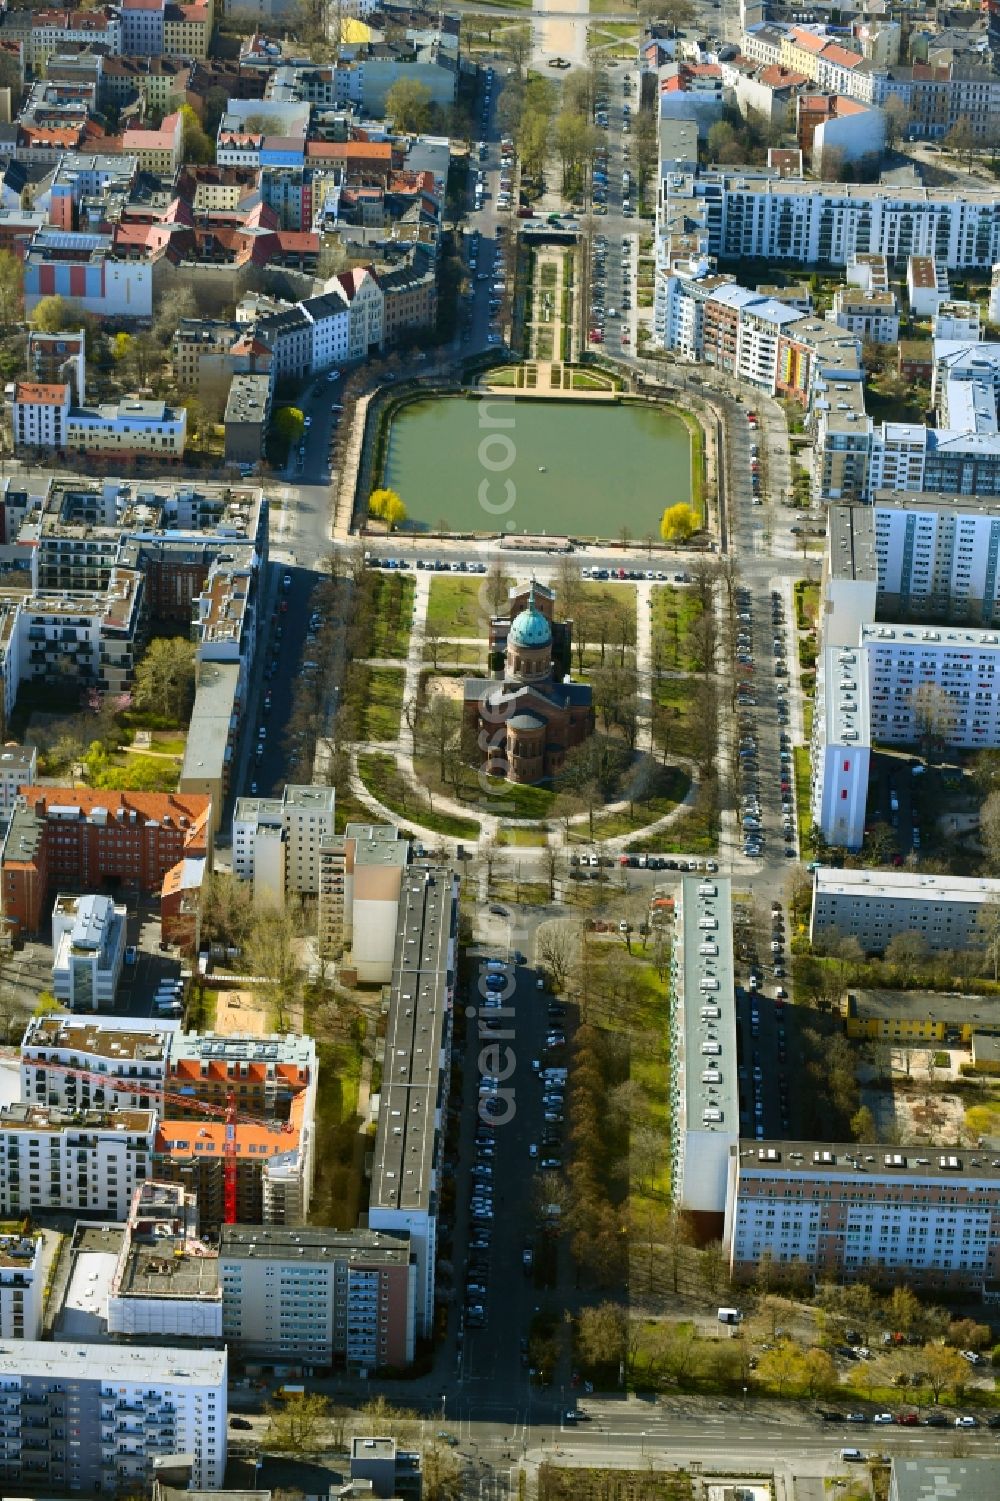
744 1399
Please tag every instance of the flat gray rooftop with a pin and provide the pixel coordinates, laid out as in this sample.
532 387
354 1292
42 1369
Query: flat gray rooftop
711 1088
852 542
403 1169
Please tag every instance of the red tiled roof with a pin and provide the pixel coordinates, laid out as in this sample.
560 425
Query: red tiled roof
34 393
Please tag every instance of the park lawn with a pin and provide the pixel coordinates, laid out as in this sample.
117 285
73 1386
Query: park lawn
340 1166
589 380
382 777
391 628
521 838
609 596
674 613
802 800
515 799
385 704
200 1015
464 655
679 694
671 784
806 604
457 605
695 831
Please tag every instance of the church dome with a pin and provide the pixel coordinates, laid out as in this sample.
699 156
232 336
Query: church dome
530 630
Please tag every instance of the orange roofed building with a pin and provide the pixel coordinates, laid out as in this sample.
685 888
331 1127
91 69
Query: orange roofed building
76 839
274 1163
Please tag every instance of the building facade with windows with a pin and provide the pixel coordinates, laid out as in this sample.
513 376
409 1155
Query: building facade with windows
319 1296
874 906
88 939
86 1160
912 1214
94 1425
22 1286
277 841
80 1064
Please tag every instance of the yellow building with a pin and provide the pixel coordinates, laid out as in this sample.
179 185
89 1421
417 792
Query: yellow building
918 1016
187 29
799 51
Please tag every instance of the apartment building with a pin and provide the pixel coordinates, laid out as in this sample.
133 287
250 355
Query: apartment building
409 1141
913 1214
274 1163
94 637
96 1425
264 1075
361 876
165 1283
937 556
704 1092
957 319
70 837
873 906
18 766
321 1297
277 841
78 1064
246 418
933 680
410 299
88 942
871 316
86 1160
22 1286
751 214
59 359
841 749
926 285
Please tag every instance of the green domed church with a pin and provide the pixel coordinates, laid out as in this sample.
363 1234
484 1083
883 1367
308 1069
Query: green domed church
527 719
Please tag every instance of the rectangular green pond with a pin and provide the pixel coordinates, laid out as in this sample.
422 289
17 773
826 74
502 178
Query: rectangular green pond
516 465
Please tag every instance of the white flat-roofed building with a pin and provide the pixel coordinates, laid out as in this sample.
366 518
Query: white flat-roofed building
85 1160
873 906
870 315
957 319
166 1281
361 875
924 1216
937 555
277 841
841 752
92 1419
102 1064
941 680
22 1286
18 766
88 937
704 1093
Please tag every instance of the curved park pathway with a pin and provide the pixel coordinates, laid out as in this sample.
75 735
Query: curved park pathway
553 832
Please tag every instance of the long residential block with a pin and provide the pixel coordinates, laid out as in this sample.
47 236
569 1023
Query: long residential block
704 1090
920 1215
873 906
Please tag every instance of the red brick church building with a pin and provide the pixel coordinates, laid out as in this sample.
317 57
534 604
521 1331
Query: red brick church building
525 721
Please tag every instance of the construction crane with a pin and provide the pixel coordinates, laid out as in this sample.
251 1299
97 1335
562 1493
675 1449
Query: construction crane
137 1088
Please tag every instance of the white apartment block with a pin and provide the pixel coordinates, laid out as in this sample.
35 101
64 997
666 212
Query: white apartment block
89 1161
957 319
841 749
913 1213
704 1092
754 215
873 906
937 555
94 1424
79 1064
88 940
18 768
277 841
943 681
39 414
22 1286
926 284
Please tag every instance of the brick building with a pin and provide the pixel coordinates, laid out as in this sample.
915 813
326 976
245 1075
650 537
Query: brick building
526 720
74 839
